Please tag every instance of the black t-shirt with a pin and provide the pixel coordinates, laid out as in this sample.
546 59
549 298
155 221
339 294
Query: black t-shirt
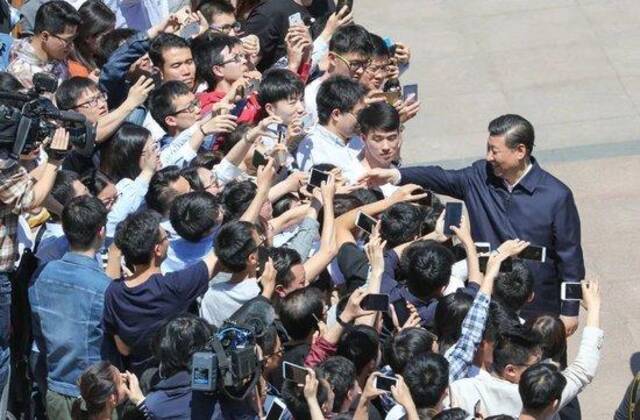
354 265
269 21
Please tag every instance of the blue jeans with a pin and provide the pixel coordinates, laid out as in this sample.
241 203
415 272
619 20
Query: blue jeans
5 326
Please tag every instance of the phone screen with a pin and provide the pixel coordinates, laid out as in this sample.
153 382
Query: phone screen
402 312
258 159
366 222
572 291
294 373
317 177
282 132
190 30
483 247
452 217
384 383
505 267
410 92
296 19
276 410
535 253
237 110
375 302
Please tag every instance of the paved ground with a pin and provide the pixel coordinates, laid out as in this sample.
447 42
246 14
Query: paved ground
572 67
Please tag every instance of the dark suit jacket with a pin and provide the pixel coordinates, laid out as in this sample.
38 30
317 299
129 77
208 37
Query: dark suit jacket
540 210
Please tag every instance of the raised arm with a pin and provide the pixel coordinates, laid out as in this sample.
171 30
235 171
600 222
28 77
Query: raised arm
319 261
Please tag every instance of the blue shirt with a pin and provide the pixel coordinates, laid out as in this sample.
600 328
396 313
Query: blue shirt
540 209
67 301
183 253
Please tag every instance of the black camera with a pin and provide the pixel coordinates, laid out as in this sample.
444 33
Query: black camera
26 120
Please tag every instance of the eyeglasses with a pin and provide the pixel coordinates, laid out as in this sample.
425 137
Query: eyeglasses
235 59
93 101
164 238
225 29
378 69
354 66
66 42
192 107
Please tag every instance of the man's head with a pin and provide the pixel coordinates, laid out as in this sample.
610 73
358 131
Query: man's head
376 74
67 186
221 16
174 107
281 94
141 239
164 187
194 215
340 373
426 265
380 125
218 59
450 313
515 350
300 312
83 222
350 51
360 345
237 197
236 246
515 288
82 95
55 26
427 377
540 389
510 144
401 347
339 101
290 274
400 224
171 55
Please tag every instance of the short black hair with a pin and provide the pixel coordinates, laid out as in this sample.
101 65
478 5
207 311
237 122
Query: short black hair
340 372
190 173
455 413
209 8
236 198
499 319
427 377
515 346
541 385
513 289
516 130
161 100
70 90
110 43
208 53
351 39
343 203
360 345
450 312
338 92
162 42
279 84
553 337
82 218
379 116
121 157
401 347
426 266
283 259
380 48
62 190
284 204
137 236
234 244
53 16
400 224
95 181
176 342
194 215
160 195
299 312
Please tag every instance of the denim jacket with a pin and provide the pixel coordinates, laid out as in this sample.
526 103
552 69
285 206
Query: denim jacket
67 301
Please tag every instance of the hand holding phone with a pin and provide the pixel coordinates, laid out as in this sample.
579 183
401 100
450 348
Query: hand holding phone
296 19
317 178
571 291
452 217
295 373
366 222
410 93
534 253
384 383
258 159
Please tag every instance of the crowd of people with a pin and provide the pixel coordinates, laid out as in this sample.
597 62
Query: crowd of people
199 250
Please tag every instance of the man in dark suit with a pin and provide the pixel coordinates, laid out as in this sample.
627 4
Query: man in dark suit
508 195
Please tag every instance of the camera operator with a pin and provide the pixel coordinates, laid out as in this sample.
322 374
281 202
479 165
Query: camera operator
19 192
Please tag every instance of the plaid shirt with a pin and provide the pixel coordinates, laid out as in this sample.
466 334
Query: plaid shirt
16 195
461 354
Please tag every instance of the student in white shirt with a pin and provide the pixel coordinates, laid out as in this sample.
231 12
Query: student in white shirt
335 139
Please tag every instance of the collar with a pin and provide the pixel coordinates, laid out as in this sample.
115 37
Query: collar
177 380
330 136
79 259
529 181
515 184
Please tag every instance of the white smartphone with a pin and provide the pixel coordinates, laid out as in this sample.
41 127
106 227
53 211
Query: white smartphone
294 373
483 247
276 410
296 19
571 291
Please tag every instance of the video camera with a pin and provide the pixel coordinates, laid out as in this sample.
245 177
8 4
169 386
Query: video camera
26 120
229 363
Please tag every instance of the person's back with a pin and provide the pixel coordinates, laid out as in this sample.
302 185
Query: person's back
67 300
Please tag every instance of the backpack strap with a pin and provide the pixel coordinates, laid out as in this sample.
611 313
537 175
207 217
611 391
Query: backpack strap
633 396
38 239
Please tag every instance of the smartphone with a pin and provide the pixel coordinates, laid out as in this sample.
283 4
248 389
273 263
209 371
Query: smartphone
190 30
483 247
402 312
237 110
366 222
258 159
410 93
535 253
294 373
281 129
425 201
296 19
571 291
505 267
452 217
384 383
342 3
375 302
317 177
276 410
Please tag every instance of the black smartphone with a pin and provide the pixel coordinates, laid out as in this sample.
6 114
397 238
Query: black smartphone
505 267
317 177
258 159
483 247
384 383
402 312
535 253
294 372
410 92
366 222
375 302
276 410
452 217
237 110
425 201
342 3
